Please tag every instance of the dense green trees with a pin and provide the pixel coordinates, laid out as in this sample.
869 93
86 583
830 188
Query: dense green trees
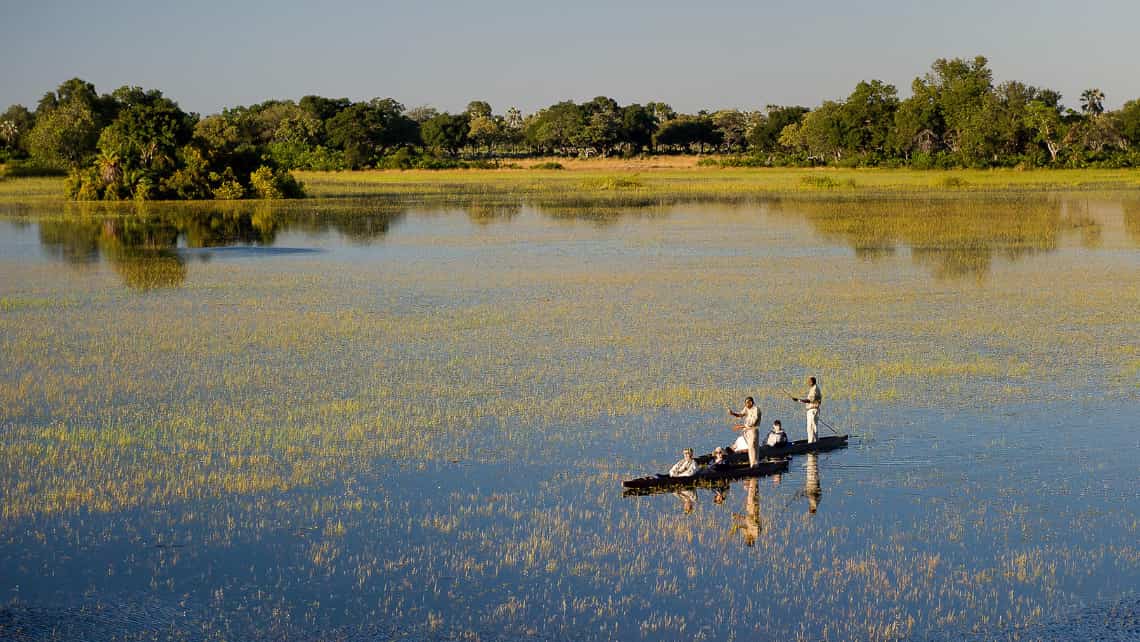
152 149
766 127
15 127
686 133
138 144
366 131
67 125
446 132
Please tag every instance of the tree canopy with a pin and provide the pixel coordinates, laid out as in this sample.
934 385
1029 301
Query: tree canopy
136 143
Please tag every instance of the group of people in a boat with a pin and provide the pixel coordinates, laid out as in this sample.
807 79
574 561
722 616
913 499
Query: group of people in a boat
749 438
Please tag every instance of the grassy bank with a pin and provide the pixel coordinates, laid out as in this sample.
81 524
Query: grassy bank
676 176
652 179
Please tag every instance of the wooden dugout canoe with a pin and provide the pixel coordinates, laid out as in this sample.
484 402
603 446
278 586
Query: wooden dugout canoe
791 448
705 476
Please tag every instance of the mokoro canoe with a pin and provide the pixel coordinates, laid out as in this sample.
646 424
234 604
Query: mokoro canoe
732 472
791 448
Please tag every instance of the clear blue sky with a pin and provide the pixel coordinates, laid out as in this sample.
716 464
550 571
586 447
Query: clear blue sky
698 54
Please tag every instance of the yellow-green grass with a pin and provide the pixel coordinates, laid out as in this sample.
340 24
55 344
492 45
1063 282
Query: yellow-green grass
647 179
712 181
248 379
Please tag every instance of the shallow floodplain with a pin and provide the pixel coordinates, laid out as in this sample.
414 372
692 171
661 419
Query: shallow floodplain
409 417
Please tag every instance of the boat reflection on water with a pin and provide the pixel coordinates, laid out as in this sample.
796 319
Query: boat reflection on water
748 523
811 482
688 498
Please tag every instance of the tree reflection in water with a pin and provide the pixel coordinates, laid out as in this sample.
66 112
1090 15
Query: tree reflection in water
953 238
1132 220
142 245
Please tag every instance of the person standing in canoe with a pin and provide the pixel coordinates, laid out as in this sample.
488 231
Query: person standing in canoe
749 428
813 400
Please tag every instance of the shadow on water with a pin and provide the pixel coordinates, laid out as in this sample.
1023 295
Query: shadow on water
148 246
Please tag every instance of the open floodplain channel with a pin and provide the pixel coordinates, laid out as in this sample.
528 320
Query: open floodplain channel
398 418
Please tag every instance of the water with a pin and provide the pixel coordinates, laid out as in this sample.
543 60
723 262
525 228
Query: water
361 420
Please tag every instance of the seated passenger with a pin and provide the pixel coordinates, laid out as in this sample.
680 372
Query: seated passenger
740 445
718 462
777 436
687 467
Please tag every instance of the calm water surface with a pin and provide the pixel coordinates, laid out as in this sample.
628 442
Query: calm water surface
399 421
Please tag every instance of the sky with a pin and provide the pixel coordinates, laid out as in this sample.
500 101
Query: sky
706 54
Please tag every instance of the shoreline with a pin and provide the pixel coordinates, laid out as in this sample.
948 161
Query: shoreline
615 179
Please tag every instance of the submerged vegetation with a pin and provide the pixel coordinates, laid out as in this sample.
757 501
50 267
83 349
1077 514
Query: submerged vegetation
619 313
374 429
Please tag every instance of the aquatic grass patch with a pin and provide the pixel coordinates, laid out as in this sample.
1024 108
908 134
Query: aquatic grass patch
545 338
815 181
611 183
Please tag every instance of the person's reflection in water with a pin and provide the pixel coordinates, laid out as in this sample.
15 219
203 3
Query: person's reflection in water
688 499
719 495
748 523
811 482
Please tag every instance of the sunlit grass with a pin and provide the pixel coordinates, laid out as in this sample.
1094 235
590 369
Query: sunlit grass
658 179
711 182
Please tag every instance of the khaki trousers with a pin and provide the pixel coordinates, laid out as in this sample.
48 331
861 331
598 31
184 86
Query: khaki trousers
812 428
751 437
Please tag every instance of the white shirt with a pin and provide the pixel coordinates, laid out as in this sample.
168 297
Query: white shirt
740 445
814 397
751 416
773 438
684 468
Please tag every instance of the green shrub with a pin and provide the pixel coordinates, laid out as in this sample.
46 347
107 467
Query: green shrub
229 190
751 160
292 155
547 165
953 182
84 185
144 189
403 158
275 184
428 161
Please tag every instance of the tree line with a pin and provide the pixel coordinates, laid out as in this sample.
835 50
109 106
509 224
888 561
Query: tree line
134 143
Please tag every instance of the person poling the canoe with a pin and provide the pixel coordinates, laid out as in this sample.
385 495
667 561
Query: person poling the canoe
776 436
813 400
686 467
749 428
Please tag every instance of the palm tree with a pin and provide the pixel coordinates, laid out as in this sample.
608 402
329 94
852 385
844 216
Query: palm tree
1092 101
